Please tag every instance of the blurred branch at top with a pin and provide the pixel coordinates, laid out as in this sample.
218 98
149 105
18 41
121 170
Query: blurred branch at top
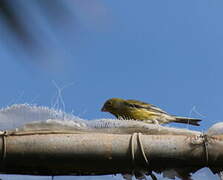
12 11
45 30
27 24
8 14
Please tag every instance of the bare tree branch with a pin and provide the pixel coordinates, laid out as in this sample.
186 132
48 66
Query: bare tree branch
57 153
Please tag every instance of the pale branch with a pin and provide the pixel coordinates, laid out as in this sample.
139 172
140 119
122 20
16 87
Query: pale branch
67 153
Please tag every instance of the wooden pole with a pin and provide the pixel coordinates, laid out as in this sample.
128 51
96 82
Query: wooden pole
99 153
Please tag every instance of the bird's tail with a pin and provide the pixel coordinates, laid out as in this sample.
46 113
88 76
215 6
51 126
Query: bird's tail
187 120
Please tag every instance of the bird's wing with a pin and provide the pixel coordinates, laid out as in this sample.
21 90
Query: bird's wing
140 104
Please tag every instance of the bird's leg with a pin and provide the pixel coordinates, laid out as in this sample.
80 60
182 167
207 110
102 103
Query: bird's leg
150 173
127 176
153 176
156 122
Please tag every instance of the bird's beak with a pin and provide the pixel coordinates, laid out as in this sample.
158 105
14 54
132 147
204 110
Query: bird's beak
103 109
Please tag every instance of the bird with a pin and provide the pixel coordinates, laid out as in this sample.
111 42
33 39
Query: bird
141 111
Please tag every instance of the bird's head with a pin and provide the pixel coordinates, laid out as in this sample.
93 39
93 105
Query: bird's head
112 105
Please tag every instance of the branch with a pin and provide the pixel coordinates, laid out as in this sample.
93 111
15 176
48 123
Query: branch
57 153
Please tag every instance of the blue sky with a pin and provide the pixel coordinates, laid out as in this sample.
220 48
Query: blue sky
168 53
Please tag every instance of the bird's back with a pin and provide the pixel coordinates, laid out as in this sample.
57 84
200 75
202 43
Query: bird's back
142 111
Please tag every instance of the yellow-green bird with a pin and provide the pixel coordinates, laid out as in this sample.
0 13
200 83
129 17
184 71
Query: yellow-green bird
138 110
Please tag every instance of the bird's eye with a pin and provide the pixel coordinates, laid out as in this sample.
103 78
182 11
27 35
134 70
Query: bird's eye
109 103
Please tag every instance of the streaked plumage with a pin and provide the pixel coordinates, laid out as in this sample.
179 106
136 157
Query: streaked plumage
138 110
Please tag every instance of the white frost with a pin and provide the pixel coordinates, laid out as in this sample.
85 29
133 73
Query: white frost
20 114
215 129
25 117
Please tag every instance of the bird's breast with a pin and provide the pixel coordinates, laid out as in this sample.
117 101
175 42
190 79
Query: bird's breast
138 114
